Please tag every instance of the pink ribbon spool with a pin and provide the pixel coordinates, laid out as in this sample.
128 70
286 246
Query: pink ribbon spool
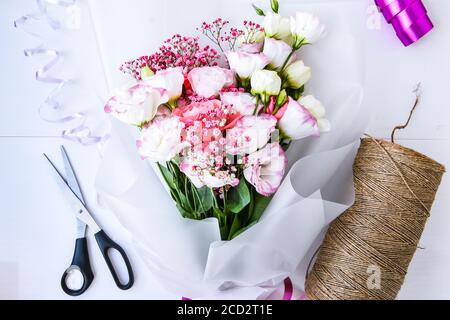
408 17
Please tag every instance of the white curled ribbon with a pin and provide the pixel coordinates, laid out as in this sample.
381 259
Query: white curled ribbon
81 133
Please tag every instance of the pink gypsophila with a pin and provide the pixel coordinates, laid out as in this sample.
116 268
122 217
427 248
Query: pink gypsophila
178 51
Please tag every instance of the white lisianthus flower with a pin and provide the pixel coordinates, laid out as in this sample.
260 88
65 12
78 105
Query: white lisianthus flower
161 140
296 121
170 79
297 74
209 81
245 64
278 52
137 103
276 26
266 82
316 108
242 102
250 134
306 28
266 169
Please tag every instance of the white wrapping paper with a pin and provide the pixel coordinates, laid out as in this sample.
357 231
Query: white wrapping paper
188 256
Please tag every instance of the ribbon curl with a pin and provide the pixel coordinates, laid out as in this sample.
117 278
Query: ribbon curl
81 133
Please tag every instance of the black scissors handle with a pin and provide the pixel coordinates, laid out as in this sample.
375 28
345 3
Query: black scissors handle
105 244
80 263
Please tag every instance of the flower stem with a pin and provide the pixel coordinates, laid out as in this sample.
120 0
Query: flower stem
287 60
256 105
252 204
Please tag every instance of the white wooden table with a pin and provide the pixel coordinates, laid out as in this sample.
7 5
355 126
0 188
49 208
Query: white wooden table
36 229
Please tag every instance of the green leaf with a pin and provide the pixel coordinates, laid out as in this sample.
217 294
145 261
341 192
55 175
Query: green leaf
235 226
260 204
177 175
167 175
218 213
259 11
184 213
222 218
206 199
238 198
274 5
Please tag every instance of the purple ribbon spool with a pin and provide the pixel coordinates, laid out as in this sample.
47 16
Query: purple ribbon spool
420 28
396 7
383 3
408 17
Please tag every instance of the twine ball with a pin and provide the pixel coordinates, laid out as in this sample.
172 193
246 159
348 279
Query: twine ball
395 189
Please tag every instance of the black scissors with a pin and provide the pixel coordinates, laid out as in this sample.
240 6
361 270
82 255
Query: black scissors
79 276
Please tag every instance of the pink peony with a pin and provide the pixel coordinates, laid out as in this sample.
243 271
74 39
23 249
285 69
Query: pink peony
211 113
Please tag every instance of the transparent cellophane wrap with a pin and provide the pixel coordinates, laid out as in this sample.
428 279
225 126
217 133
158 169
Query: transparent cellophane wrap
187 256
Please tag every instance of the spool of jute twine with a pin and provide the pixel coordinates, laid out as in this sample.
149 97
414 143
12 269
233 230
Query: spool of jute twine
367 250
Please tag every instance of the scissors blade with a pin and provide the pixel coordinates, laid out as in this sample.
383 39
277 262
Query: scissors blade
72 182
81 212
71 178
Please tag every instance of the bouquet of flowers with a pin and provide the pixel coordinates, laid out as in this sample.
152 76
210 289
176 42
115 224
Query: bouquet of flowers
219 119
231 131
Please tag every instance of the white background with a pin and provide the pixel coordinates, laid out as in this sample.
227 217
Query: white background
36 226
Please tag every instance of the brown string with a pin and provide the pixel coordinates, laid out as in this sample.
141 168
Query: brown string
418 92
395 188
402 176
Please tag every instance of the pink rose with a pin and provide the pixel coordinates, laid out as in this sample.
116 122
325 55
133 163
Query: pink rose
266 169
209 81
